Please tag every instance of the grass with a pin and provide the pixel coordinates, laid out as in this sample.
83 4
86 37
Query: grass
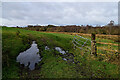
17 40
12 45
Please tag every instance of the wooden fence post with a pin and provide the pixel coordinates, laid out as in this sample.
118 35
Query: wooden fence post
93 45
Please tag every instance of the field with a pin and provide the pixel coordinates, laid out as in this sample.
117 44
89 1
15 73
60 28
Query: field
15 40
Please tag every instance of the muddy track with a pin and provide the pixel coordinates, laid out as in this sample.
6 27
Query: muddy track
25 72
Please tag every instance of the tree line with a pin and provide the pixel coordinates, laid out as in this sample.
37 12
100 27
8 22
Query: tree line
108 29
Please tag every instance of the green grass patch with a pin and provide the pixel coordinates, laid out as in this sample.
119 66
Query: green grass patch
17 40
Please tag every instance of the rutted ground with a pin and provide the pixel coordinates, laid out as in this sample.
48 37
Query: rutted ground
52 65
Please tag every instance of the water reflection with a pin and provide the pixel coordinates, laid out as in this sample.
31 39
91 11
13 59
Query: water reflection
30 56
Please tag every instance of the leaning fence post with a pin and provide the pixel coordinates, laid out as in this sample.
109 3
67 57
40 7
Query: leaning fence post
93 45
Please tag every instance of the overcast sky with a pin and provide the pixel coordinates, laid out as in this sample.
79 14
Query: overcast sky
59 13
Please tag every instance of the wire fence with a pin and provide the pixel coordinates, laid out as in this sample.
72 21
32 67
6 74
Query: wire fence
102 48
81 43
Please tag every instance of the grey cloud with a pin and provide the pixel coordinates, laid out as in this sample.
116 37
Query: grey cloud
23 13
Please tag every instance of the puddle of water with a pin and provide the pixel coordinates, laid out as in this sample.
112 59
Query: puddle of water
29 56
66 51
66 56
64 59
47 48
60 50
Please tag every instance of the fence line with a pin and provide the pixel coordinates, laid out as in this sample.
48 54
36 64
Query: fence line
85 43
78 39
108 43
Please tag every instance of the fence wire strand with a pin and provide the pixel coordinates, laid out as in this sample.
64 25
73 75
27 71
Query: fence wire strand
81 43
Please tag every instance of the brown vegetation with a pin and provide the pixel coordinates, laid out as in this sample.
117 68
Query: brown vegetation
109 30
